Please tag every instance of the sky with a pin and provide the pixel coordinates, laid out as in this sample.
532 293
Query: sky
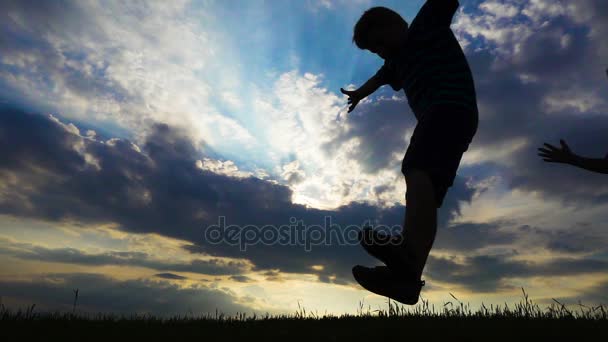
130 132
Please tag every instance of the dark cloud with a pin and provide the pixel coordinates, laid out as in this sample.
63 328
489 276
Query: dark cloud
181 197
594 296
33 44
98 293
170 276
57 17
586 136
138 259
491 273
273 275
515 92
470 237
578 239
241 278
160 190
594 13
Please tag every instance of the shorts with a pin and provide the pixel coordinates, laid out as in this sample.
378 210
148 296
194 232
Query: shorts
440 138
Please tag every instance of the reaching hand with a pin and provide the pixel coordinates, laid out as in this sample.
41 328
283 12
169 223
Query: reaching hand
553 154
353 98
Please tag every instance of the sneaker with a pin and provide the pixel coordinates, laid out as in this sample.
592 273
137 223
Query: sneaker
386 248
382 281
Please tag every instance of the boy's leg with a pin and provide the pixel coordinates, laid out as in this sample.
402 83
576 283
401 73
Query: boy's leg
406 254
420 223
429 166
401 280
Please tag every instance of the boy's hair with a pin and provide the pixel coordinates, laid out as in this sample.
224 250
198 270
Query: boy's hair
376 17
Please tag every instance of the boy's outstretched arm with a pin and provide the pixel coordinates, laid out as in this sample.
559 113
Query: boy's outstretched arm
364 91
552 154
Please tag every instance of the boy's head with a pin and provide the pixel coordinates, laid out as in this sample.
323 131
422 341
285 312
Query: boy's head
380 30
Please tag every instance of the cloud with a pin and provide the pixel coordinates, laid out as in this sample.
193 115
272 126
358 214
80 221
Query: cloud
155 189
499 10
170 276
535 88
121 65
381 128
595 295
159 189
292 173
227 167
468 237
118 258
330 157
241 278
52 292
539 77
492 273
582 240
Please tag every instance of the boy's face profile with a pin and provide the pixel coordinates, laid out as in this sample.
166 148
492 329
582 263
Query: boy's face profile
378 48
385 42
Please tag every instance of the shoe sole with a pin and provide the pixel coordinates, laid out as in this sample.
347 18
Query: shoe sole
394 294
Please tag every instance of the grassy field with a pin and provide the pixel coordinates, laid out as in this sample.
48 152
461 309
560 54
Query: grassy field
454 321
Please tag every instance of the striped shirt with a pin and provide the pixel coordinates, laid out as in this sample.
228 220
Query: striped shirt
431 67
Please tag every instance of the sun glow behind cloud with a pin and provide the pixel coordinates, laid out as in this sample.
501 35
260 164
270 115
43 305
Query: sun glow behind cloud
236 83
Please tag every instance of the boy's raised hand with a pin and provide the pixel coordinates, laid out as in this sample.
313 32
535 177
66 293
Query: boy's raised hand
552 154
353 98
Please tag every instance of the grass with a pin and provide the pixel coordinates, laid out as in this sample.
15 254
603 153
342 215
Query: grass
454 320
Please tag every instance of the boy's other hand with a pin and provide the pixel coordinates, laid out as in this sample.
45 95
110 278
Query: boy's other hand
353 98
552 154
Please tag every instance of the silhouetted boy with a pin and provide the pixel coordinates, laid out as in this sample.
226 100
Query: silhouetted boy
427 62
552 154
